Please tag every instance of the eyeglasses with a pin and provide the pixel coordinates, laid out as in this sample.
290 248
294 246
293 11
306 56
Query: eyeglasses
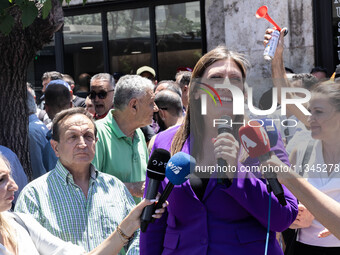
101 94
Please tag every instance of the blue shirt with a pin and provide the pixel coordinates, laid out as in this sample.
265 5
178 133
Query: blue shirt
49 157
37 145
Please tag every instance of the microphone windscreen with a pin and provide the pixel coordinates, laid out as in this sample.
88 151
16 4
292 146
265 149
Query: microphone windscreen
271 130
225 127
157 164
254 140
178 167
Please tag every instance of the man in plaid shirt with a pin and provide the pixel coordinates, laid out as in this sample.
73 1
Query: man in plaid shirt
74 201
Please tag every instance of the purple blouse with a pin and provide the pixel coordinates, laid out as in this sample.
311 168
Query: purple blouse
228 220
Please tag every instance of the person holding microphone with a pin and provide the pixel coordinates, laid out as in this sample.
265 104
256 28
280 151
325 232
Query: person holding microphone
21 234
322 168
224 213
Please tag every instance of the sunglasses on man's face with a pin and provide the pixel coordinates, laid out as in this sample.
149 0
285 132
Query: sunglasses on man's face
101 94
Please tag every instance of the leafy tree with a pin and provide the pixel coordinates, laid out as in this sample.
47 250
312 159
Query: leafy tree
25 26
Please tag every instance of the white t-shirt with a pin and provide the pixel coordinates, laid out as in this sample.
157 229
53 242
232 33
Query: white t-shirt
330 185
38 241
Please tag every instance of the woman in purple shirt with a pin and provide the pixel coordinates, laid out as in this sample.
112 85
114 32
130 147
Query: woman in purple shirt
211 215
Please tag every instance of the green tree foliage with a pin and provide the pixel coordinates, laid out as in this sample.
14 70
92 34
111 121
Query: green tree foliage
25 27
29 11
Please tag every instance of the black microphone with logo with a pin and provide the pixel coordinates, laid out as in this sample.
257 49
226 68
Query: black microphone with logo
156 174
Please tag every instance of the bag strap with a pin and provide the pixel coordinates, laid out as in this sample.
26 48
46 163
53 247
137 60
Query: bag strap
17 218
306 155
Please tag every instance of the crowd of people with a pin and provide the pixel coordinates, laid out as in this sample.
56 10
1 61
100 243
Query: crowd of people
89 145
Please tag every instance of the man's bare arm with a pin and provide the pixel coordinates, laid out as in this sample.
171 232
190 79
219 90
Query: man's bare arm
136 188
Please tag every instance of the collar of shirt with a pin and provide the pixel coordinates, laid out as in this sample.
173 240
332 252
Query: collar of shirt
117 131
64 174
33 117
98 117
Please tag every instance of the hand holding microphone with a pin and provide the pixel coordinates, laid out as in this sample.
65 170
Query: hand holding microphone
256 142
177 171
156 173
226 146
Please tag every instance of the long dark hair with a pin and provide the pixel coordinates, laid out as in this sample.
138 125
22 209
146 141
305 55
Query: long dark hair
194 118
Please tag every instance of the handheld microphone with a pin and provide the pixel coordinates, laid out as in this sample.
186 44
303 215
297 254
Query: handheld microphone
177 171
255 141
224 128
156 173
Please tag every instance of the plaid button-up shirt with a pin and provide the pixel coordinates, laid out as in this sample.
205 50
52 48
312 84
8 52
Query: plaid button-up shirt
61 207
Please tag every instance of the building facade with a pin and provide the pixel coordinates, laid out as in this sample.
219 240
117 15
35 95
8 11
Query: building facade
118 36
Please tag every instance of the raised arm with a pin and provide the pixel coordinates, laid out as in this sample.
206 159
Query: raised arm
325 209
115 242
279 76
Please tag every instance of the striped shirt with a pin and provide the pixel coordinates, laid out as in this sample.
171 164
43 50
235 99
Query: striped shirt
60 206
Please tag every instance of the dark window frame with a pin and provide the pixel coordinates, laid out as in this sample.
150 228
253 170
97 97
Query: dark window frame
323 35
119 5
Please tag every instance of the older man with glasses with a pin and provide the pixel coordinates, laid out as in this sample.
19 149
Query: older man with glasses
101 94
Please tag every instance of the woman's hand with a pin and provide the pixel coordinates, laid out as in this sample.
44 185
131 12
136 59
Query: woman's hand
227 148
304 218
132 222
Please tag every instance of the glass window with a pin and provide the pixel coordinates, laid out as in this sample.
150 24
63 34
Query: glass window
83 47
178 28
129 40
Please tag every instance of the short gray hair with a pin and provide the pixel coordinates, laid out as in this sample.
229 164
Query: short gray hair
129 87
104 77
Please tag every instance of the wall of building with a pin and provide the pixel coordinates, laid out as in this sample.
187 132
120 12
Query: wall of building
233 23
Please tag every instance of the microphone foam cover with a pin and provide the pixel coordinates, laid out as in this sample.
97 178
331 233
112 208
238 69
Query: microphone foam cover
178 167
271 130
157 164
254 140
